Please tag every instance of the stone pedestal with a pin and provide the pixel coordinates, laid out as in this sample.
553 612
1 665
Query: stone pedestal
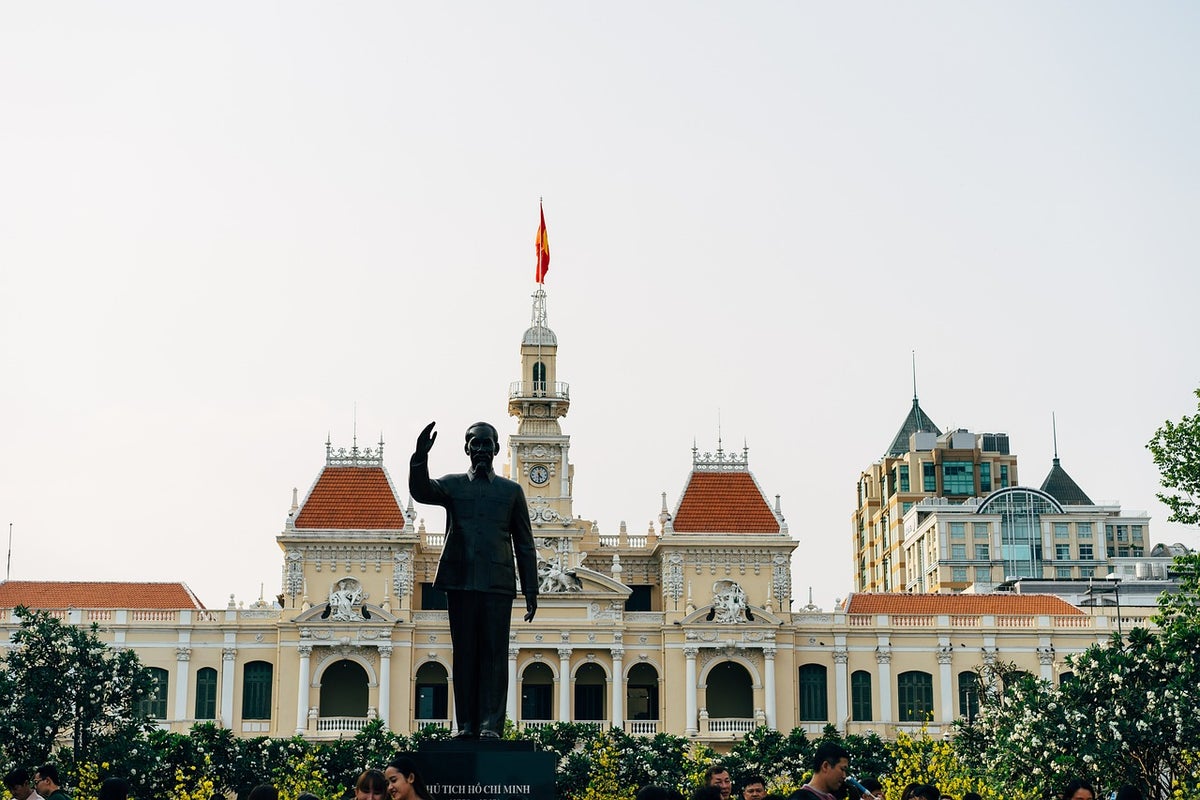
486 770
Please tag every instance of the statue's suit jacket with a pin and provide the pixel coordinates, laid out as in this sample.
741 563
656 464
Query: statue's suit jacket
487 523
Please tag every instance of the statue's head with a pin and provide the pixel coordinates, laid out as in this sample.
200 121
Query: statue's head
483 444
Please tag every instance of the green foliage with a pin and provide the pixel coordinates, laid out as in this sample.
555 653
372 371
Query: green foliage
60 680
1127 717
1176 451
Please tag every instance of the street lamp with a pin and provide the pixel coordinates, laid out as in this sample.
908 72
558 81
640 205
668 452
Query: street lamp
1115 589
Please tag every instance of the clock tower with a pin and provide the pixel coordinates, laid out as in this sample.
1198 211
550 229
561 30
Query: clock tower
538 452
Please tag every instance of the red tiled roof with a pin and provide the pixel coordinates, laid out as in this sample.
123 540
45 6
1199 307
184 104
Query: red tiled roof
724 502
351 498
96 594
901 603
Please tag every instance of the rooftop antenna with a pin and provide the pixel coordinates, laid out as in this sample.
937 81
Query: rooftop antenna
1054 431
914 365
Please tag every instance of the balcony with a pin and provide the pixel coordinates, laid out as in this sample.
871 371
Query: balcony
341 724
539 389
642 727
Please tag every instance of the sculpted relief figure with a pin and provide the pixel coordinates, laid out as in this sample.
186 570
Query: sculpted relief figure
487 527
344 598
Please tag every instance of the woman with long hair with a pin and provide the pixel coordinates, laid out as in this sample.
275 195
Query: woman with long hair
404 781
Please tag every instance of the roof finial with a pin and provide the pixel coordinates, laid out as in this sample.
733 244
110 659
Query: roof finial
719 450
354 430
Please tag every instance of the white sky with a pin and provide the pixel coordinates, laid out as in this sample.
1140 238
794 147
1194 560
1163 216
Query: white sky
223 225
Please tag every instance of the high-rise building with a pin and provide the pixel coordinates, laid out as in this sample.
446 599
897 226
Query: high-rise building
944 512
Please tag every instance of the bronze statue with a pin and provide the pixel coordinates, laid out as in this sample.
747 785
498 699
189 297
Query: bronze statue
487 523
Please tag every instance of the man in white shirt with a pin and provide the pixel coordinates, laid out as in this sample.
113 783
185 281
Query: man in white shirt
17 783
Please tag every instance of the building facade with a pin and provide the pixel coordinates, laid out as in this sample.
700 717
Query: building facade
688 627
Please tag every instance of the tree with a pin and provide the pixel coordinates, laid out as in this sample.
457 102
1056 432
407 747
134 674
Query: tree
1176 451
60 680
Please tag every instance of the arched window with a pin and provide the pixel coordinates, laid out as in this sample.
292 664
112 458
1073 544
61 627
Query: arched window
915 692
642 692
206 693
814 693
589 693
860 696
730 692
968 695
432 692
155 705
537 692
539 379
256 690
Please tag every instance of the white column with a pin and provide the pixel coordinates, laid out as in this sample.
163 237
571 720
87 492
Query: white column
513 652
302 684
691 726
564 684
841 686
769 686
944 656
228 657
883 655
1045 655
182 654
385 683
618 688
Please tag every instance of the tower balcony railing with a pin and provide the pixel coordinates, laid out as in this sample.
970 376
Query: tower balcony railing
557 390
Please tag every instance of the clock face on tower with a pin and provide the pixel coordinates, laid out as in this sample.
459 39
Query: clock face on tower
538 474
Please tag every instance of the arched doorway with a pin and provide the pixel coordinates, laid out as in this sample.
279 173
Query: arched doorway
642 699
730 693
537 693
433 694
344 691
589 693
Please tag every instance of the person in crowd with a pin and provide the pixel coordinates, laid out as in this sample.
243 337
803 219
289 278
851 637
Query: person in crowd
263 792
831 764
873 786
48 784
18 785
1079 789
717 775
1129 792
754 787
404 781
972 796
371 785
307 796
923 791
707 793
114 789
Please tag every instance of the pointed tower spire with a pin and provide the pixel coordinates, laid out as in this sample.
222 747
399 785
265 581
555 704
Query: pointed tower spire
1058 484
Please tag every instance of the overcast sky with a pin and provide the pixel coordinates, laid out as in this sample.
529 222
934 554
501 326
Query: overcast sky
224 227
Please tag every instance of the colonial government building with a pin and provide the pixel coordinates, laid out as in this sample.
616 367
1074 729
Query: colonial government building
689 627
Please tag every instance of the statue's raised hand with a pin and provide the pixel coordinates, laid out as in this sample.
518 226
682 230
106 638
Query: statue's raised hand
426 439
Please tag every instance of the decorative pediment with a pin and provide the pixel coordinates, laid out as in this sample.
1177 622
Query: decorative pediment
323 613
707 615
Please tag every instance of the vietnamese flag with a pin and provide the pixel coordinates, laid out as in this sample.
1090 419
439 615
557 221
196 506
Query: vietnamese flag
542 247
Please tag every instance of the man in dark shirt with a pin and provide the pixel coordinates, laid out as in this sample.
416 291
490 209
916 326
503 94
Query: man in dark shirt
487 524
47 783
